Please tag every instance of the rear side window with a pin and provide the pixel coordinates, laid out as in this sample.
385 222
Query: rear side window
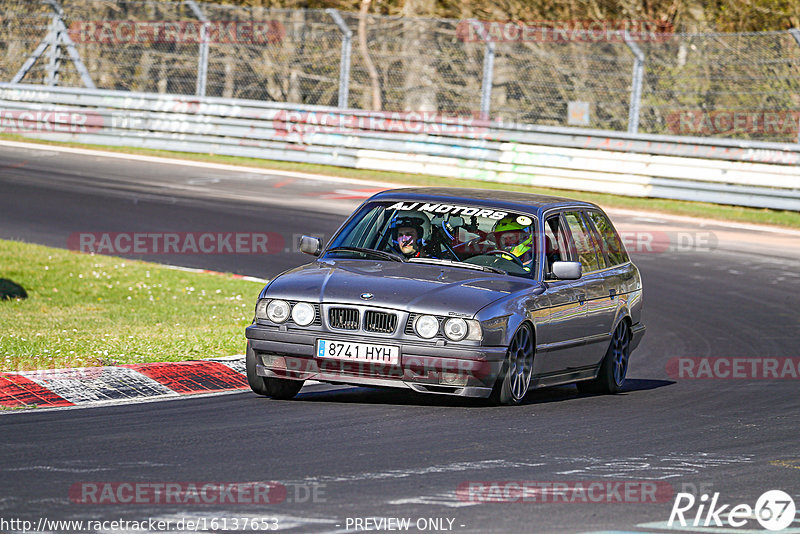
555 243
609 239
585 243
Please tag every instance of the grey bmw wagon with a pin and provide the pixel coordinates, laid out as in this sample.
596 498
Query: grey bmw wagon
454 291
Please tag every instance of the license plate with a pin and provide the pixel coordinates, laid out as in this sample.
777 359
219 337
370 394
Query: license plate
358 352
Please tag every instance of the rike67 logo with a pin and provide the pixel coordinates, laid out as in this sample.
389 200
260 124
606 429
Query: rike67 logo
774 510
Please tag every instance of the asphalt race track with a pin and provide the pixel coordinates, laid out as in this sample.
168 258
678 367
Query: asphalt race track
347 454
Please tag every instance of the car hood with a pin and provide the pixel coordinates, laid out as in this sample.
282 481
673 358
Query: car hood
412 287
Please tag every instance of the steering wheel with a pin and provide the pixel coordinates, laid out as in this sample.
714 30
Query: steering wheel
498 252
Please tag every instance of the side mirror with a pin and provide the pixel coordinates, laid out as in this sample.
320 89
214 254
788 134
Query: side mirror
567 270
310 245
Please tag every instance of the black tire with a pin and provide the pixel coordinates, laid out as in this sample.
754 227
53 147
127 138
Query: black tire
515 377
614 367
277 388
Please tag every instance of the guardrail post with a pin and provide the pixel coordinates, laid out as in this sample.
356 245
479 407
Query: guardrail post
202 60
636 84
488 69
344 63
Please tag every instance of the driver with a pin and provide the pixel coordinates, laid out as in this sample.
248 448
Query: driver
512 235
411 231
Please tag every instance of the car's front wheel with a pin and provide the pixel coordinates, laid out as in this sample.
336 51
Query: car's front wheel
277 388
614 366
515 378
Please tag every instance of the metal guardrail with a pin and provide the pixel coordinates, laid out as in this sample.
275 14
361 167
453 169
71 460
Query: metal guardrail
745 173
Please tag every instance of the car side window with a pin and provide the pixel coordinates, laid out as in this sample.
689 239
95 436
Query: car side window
585 242
556 246
609 239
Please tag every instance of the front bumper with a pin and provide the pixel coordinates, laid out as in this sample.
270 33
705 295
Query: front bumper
438 367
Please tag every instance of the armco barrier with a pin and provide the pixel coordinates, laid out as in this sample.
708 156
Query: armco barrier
742 173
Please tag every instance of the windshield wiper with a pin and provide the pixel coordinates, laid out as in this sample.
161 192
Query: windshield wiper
436 261
379 253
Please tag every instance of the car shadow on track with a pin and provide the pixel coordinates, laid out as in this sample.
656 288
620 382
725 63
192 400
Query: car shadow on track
401 397
641 384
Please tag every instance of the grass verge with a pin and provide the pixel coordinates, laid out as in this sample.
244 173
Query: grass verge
19 407
88 310
788 219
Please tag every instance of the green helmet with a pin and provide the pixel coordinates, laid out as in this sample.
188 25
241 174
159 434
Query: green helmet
517 224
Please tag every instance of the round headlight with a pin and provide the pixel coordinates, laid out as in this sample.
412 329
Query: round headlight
277 311
455 328
426 326
303 313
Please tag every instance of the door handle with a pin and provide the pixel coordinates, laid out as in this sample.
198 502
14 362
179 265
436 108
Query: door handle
581 298
612 293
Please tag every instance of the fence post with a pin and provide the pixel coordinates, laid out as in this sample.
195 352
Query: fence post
54 53
796 34
636 84
488 68
202 60
57 36
344 63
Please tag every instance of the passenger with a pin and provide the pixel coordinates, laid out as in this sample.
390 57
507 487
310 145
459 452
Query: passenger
512 234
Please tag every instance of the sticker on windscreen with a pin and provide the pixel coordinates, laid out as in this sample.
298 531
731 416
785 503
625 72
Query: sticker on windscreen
448 209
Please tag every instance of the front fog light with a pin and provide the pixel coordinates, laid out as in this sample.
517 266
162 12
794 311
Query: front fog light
453 379
273 361
455 328
426 326
278 311
303 313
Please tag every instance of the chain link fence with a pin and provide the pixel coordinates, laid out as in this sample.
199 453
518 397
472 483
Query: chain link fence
743 86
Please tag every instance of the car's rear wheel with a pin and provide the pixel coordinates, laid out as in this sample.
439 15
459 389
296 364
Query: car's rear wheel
515 378
277 388
614 366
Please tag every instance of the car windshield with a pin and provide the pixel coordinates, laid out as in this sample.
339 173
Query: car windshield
443 234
